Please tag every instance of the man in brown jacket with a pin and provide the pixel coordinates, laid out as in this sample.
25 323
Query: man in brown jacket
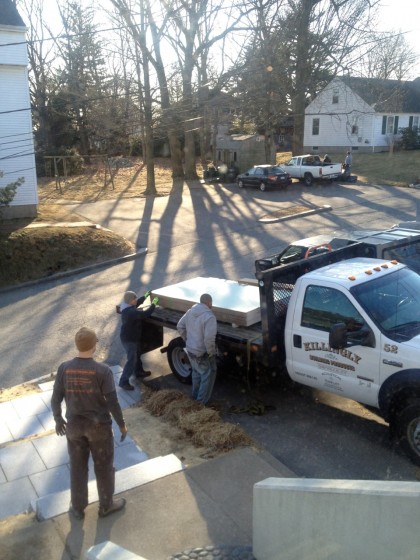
88 388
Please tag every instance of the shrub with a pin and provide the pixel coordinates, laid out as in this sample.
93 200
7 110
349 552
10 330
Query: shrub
410 138
7 193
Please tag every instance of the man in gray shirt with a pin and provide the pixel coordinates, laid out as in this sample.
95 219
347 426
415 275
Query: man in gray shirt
88 388
198 327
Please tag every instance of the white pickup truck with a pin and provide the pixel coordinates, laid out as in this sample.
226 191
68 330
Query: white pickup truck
310 168
337 322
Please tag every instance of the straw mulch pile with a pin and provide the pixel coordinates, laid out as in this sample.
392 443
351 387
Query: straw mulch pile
201 424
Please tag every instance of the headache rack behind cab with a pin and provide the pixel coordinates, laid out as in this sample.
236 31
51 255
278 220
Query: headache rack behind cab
276 286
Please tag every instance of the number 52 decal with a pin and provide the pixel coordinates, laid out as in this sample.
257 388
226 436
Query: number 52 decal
393 348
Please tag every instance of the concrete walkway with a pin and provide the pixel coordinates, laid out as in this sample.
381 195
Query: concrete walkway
34 465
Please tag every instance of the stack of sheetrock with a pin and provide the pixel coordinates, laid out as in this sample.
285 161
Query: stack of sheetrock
233 302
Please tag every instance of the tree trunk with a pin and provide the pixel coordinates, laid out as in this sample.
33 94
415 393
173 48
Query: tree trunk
148 112
302 74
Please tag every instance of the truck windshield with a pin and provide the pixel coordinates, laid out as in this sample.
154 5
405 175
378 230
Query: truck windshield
393 303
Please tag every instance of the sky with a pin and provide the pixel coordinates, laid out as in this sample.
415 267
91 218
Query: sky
394 15
403 15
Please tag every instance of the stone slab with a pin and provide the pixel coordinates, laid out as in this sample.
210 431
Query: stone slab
24 427
20 460
52 480
16 497
30 405
52 450
110 551
297 518
233 302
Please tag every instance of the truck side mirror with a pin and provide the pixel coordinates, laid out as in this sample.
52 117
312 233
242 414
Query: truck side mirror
338 336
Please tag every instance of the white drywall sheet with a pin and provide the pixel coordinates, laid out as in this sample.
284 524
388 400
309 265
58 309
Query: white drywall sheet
233 302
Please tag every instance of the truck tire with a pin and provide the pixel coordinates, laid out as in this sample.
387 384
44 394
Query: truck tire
408 430
263 186
308 179
178 360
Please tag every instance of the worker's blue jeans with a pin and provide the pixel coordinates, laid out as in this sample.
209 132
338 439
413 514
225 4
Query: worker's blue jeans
130 365
204 371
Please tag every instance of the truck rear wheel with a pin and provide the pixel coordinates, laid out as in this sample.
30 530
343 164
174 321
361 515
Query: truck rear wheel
308 179
408 431
178 360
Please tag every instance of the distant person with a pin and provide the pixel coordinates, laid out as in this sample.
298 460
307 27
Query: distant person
326 159
88 389
130 333
347 164
349 159
198 327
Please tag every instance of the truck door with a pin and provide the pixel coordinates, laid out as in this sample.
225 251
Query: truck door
353 372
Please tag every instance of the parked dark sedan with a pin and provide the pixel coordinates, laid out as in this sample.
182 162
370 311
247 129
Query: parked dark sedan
264 176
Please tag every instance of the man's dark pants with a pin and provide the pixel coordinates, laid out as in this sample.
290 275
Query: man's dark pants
85 437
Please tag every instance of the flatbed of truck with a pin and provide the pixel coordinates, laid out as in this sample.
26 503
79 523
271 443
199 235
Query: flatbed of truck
169 318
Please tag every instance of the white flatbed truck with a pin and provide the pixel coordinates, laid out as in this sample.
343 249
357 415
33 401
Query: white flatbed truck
338 322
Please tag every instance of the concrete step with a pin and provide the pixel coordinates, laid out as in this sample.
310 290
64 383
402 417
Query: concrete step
126 479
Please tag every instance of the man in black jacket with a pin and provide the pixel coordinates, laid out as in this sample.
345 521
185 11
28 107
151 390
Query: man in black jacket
131 325
88 388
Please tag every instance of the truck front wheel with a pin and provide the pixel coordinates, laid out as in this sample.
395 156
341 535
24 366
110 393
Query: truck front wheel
308 179
178 360
408 431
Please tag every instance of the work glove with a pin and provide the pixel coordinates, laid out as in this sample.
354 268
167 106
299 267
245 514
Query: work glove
146 294
155 301
60 427
123 431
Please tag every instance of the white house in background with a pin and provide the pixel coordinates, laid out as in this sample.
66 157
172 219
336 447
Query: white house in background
360 114
17 157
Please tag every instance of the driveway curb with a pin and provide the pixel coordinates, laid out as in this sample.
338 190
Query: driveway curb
67 273
318 210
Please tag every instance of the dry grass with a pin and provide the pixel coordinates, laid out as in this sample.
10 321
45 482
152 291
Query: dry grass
197 417
201 424
399 168
127 182
156 402
31 253
221 435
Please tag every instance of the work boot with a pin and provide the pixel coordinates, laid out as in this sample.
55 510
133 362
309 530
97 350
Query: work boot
143 373
116 505
127 387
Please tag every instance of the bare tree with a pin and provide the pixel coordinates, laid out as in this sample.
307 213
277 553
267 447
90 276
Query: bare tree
388 56
41 53
193 29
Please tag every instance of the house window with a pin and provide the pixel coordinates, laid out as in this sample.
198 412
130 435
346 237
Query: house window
390 124
335 97
315 127
414 122
355 130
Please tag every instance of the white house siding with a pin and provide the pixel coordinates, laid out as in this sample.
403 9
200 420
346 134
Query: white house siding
337 122
13 46
16 137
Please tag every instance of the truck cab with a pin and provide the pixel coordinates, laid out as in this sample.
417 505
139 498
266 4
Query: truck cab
353 329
